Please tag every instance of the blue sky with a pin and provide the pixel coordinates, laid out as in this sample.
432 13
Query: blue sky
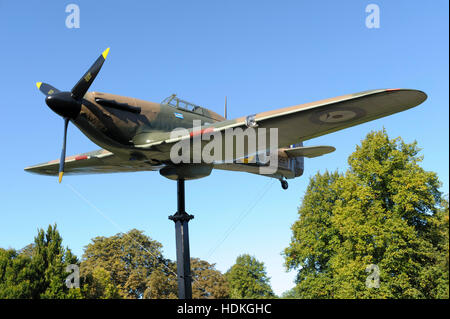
263 55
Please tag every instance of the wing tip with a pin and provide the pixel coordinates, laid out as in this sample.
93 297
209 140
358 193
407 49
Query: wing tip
419 96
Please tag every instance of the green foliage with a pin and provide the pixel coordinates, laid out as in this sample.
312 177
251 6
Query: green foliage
15 275
128 259
290 294
247 278
98 284
162 285
385 210
207 282
49 262
127 265
131 265
38 270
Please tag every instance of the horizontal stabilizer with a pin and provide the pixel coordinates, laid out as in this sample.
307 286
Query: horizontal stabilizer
309 151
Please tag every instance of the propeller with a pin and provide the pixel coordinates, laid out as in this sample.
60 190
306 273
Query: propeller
47 89
68 104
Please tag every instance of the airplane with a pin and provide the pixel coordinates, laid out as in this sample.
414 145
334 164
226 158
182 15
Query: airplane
135 135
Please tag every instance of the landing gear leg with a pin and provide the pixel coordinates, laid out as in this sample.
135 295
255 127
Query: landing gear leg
284 184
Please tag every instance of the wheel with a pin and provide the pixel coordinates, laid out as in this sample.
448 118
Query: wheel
284 184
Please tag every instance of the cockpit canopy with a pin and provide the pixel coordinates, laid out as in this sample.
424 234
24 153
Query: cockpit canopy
175 101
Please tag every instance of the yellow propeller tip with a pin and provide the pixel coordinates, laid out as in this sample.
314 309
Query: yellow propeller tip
60 176
38 84
105 53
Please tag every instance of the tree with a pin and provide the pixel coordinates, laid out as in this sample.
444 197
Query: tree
162 285
385 211
131 265
440 273
247 278
128 259
15 275
290 294
49 262
38 270
126 265
98 284
207 283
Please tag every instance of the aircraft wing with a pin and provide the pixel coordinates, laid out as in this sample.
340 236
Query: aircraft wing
306 121
315 119
96 162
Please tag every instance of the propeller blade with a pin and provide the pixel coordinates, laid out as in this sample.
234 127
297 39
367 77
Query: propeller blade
47 89
80 89
63 152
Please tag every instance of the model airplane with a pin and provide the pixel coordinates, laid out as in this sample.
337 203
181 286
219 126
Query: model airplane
135 135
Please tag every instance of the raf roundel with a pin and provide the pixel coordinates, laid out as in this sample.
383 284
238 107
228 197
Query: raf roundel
337 115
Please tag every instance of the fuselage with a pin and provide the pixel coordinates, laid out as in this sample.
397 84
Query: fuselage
118 123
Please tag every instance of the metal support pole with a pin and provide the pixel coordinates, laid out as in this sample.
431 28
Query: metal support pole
181 219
